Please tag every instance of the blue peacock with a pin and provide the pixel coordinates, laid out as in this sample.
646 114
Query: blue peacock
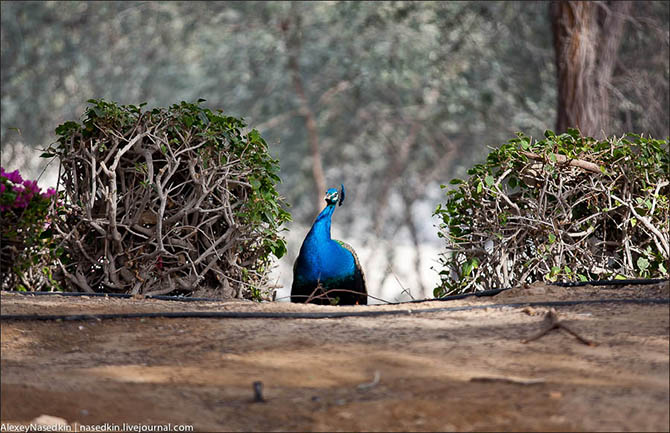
325 267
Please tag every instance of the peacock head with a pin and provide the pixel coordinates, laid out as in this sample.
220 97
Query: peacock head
333 196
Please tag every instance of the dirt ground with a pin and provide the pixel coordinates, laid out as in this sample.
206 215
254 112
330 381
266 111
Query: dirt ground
424 371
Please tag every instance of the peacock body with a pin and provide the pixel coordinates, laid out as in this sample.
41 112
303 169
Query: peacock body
325 267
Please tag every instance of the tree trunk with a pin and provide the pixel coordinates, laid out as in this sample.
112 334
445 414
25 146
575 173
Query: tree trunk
586 40
408 199
292 31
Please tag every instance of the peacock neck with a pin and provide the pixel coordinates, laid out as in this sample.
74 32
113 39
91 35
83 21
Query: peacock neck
321 228
322 258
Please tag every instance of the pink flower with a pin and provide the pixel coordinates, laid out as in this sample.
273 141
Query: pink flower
13 176
21 201
31 186
50 193
25 190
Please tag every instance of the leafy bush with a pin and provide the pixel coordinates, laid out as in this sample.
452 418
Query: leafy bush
563 208
26 245
172 200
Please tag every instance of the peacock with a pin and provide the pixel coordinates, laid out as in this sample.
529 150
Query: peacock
326 267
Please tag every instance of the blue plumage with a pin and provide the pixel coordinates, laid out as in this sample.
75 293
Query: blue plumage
325 267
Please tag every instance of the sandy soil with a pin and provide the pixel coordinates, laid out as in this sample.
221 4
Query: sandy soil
448 370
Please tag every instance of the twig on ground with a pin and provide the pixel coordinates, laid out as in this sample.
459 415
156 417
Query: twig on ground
515 380
552 322
372 384
315 295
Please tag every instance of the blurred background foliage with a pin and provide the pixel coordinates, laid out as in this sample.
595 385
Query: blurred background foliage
395 97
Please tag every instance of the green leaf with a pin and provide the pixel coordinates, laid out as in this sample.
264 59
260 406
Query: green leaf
550 276
574 133
203 118
467 269
489 180
552 157
552 238
642 263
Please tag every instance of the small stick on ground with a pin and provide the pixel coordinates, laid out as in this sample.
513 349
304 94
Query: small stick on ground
552 322
515 380
372 384
258 392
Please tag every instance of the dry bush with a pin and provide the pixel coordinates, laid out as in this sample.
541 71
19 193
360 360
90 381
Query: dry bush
565 208
174 200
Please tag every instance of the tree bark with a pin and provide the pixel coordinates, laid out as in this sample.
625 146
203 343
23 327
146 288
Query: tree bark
291 29
587 36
